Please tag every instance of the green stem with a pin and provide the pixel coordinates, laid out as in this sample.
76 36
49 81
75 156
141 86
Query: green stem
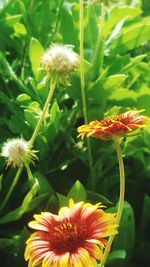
30 176
121 197
122 182
15 181
82 81
38 126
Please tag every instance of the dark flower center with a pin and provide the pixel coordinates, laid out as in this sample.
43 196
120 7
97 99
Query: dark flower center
67 236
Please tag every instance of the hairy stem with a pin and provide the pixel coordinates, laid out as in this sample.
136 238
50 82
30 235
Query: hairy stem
121 197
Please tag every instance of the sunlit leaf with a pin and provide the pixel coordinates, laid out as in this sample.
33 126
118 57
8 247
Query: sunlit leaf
35 53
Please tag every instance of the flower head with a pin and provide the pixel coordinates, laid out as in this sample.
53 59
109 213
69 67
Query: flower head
74 237
115 126
59 61
17 152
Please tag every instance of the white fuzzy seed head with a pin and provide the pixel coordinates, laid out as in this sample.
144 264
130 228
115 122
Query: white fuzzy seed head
59 61
17 152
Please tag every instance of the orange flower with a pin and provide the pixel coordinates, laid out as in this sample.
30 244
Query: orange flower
114 126
74 237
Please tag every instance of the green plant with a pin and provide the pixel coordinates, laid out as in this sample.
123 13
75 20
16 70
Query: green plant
118 36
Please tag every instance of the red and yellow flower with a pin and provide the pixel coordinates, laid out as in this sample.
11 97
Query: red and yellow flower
115 126
75 237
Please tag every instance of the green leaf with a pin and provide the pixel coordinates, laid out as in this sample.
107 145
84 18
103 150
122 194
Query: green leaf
126 237
32 114
93 196
16 124
45 186
19 28
24 99
116 31
63 200
77 192
91 27
130 39
11 20
5 100
114 81
54 124
115 255
87 66
9 72
67 27
117 14
55 115
124 94
28 204
35 52
31 118
143 101
31 194
7 243
134 61
145 216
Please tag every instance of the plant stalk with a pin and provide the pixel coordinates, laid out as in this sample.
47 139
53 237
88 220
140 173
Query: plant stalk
45 109
30 176
83 93
121 197
15 181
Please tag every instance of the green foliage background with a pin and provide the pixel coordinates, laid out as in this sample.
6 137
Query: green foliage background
117 80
